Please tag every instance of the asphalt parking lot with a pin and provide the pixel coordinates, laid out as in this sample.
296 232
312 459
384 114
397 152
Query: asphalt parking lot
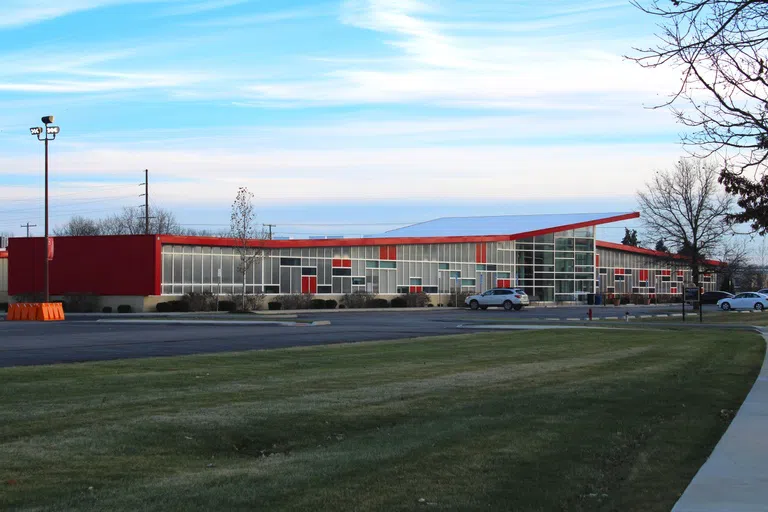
85 339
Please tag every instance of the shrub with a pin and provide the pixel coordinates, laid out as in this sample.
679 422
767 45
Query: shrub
227 305
342 306
359 299
200 301
317 304
416 300
398 302
28 297
296 300
624 300
377 303
430 305
3 306
274 306
106 309
462 295
253 301
163 307
124 308
330 304
80 303
179 306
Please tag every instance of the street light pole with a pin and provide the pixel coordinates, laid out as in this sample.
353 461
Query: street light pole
49 130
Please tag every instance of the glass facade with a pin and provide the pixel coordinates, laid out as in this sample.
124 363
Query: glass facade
557 266
552 267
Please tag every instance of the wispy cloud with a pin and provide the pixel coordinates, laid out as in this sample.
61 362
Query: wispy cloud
265 17
201 7
17 13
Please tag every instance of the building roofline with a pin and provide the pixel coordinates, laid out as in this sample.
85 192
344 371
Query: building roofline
650 252
346 242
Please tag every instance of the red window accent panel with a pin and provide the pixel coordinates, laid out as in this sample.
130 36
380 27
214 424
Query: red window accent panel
415 289
478 253
643 275
673 289
680 273
392 252
503 283
618 271
346 263
336 262
666 272
384 252
597 260
308 284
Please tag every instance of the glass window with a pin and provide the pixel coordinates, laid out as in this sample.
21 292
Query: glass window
550 238
415 281
480 267
443 266
564 265
358 281
430 289
308 271
525 257
454 274
544 257
503 275
584 244
467 282
342 271
290 262
403 289
271 288
387 264
564 244
324 289
371 264
603 270
491 268
564 286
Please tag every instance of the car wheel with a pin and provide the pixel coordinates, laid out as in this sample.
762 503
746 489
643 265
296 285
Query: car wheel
725 306
518 307
758 306
473 305
483 307
508 305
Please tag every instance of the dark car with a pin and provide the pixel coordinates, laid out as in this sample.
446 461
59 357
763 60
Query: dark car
713 297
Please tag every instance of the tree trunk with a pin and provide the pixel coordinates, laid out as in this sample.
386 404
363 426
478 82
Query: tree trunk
245 271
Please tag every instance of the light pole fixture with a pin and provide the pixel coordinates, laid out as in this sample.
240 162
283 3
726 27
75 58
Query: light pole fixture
43 136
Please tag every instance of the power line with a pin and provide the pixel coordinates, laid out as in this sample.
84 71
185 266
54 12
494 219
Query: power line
28 225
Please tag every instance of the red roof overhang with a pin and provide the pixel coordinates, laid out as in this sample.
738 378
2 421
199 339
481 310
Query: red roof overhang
650 252
346 242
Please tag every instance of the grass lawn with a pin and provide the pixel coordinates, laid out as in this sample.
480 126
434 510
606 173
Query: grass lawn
546 420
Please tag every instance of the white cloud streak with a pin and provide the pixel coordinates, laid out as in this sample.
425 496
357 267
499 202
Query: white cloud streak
18 13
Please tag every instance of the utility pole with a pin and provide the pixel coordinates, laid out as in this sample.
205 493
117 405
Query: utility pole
270 226
146 201
28 225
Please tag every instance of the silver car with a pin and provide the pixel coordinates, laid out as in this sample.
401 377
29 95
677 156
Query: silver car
508 298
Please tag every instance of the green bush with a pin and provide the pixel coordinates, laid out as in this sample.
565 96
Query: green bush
377 303
106 309
398 302
179 306
124 308
163 307
317 304
356 300
274 306
330 304
227 305
462 295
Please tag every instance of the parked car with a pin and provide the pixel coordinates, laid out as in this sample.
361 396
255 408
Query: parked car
713 297
746 300
508 298
764 291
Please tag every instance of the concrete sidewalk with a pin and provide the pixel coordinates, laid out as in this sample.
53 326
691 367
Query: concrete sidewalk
735 477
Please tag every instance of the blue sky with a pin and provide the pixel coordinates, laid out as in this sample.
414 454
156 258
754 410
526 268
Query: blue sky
339 116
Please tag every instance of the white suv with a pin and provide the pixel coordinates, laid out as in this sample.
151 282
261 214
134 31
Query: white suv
508 298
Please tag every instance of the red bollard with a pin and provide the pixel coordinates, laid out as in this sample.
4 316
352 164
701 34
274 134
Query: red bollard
589 314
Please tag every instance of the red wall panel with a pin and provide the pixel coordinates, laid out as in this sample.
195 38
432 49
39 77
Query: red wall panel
102 265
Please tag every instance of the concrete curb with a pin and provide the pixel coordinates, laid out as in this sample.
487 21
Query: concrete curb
735 476
215 322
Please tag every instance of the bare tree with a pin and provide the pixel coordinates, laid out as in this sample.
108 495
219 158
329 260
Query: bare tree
243 229
720 48
734 255
685 208
79 226
130 221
